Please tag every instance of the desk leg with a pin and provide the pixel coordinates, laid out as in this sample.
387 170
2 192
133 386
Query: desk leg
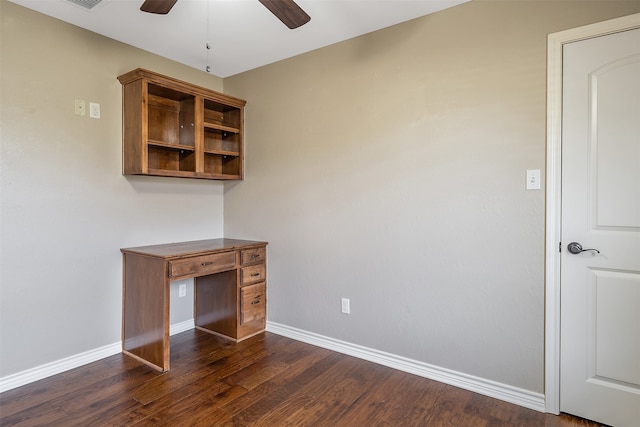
145 311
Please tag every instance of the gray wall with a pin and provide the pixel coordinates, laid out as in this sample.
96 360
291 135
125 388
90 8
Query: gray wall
390 169
66 210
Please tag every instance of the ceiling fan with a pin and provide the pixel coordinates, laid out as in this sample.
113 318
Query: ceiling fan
287 11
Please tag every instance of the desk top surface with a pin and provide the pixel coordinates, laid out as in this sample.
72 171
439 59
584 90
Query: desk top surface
181 249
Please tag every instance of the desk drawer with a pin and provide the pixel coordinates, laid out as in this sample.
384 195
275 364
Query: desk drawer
255 273
253 303
253 256
204 264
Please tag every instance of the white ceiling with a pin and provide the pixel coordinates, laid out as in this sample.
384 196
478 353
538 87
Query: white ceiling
242 34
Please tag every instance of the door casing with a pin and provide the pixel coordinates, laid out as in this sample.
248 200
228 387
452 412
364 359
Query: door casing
555 43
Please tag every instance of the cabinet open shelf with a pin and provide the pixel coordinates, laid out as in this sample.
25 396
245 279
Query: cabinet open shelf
173 128
222 128
222 153
169 145
170 157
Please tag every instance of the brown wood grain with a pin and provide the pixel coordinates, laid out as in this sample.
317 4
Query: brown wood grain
266 380
216 304
168 125
145 330
220 307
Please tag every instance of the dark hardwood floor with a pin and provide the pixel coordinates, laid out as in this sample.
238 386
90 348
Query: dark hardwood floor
267 380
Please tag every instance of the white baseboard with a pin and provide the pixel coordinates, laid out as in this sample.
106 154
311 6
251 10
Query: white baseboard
482 386
507 393
187 325
43 371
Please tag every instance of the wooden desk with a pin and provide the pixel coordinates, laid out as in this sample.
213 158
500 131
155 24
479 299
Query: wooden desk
230 292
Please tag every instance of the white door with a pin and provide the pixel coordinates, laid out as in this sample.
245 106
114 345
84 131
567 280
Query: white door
600 289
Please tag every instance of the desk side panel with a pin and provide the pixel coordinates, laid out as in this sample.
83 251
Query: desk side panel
145 329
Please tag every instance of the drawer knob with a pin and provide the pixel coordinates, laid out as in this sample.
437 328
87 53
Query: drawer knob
255 302
204 264
254 256
255 274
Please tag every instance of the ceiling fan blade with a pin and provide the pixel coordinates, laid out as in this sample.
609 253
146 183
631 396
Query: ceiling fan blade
287 11
161 7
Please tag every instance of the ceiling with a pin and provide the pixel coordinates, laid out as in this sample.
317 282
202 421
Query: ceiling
242 34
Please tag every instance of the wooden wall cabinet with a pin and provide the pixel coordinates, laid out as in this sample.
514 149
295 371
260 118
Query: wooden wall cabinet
173 128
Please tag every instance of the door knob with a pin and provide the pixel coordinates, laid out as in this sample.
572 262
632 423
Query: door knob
576 248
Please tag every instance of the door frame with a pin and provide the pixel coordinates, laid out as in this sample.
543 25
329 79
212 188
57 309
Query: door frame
553 220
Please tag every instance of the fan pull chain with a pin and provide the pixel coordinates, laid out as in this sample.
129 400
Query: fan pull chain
208 69
208 45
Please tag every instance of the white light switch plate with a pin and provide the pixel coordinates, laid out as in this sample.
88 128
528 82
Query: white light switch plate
80 107
94 110
533 179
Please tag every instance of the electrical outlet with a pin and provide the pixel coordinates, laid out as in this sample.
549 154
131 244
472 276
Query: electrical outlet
346 306
182 290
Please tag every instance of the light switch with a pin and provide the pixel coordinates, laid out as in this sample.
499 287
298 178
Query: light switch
94 110
80 107
533 179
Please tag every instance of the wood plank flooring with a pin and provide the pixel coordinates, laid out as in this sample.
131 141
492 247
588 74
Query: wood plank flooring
267 380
